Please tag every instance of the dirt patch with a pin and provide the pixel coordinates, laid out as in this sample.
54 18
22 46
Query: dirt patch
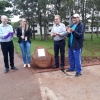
86 61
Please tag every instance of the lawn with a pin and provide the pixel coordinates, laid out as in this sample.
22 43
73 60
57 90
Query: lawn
90 49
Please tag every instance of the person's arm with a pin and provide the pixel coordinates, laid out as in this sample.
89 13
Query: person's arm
80 32
1 34
67 34
63 33
53 34
18 33
28 34
68 31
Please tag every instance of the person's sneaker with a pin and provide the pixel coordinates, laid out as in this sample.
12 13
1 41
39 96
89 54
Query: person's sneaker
6 70
77 74
55 67
14 68
29 65
69 70
24 65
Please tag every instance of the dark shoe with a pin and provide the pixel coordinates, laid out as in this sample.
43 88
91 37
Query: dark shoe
6 70
68 70
77 74
55 67
14 68
62 69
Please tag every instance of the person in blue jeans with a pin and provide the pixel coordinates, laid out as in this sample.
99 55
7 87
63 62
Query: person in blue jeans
75 43
24 34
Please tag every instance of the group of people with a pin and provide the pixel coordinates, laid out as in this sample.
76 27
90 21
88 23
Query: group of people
75 33
7 47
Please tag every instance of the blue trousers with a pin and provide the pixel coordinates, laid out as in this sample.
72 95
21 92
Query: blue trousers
25 49
75 59
59 45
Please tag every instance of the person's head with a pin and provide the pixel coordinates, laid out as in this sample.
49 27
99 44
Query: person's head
57 19
76 18
24 23
4 19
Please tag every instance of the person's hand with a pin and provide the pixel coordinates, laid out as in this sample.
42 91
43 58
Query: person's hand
58 34
54 34
6 36
69 30
11 33
22 37
66 28
25 38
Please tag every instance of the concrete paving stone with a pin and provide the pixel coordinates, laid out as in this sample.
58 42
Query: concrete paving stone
18 85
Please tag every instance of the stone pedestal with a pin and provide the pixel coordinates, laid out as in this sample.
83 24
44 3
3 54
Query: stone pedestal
41 58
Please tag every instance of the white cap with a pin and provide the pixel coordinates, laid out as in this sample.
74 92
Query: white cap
76 15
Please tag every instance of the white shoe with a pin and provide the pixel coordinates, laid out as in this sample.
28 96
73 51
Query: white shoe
24 65
29 65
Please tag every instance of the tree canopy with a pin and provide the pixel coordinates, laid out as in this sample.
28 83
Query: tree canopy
43 11
3 10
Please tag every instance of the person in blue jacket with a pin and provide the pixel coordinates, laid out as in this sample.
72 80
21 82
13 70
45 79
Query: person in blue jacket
75 43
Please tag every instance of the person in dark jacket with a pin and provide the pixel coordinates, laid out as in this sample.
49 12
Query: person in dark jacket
75 43
24 34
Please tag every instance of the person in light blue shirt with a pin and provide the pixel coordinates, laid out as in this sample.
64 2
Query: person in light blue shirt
58 33
4 30
6 36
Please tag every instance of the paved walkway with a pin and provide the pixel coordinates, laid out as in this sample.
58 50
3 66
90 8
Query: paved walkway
59 86
24 85
18 85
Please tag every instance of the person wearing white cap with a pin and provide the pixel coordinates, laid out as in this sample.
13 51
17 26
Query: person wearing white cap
75 43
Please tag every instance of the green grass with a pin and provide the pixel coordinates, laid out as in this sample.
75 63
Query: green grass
90 48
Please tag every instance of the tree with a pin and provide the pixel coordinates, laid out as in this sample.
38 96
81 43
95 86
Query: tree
27 10
15 25
3 6
43 11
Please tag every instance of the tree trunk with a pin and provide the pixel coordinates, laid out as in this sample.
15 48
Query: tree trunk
40 24
45 30
41 32
92 34
97 32
33 34
92 23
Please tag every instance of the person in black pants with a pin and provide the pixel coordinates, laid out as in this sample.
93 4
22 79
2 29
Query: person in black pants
6 36
58 32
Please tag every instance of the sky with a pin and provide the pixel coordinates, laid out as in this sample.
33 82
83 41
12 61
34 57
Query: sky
15 19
